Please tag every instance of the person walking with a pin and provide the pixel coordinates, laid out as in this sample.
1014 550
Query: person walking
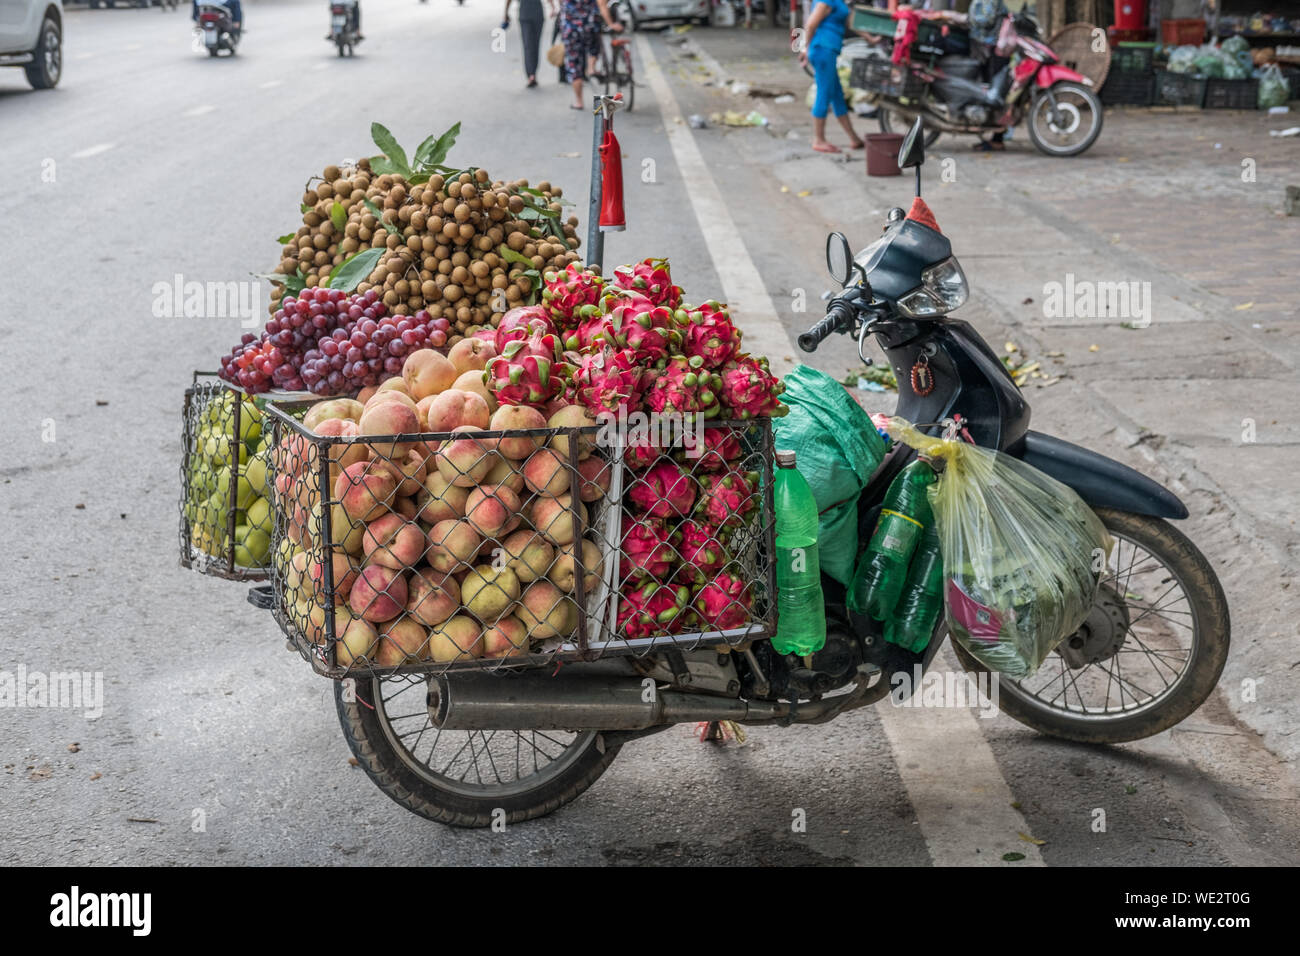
824 36
580 34
531 19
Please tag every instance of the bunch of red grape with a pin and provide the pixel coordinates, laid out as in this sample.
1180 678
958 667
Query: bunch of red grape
330 343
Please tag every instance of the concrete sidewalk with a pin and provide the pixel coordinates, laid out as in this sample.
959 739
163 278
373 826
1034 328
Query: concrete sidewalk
1199 398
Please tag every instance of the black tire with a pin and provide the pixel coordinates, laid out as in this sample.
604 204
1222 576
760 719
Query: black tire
626 85
1209 610
370 737
1036 118
214 51
47 64
887 126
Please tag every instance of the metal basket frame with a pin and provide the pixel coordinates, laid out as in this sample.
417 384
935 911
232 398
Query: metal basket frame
280 416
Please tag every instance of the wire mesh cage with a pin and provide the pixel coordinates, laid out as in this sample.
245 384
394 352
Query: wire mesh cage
225 506
423 552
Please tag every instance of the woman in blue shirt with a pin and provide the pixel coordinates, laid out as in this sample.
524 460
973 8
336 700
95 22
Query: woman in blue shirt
823 38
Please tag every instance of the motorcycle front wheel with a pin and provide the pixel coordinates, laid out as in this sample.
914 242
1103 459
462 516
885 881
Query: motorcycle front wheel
1149 653
459 777
1069 127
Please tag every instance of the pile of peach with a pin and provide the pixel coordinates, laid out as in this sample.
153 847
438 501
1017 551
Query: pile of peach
467 546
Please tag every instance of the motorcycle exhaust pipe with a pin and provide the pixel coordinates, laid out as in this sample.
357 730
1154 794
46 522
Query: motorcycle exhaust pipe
539 702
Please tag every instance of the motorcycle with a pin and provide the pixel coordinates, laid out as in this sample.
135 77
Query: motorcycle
1062 112
344 32
216 30
474 748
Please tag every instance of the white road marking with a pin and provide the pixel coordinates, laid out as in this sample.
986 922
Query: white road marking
269 84
321 66
199 110
742 286
961 800
93 150
83 56
132 48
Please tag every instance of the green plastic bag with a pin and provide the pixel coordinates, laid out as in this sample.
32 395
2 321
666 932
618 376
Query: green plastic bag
837 449
1274 90
1022 553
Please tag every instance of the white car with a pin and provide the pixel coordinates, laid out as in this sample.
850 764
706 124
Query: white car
31 36
642 11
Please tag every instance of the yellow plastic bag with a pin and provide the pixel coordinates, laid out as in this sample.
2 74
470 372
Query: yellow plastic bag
1022 553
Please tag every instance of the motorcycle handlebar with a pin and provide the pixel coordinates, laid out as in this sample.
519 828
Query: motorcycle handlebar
839 316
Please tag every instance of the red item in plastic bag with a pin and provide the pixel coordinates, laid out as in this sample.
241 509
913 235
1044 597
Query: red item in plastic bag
612 218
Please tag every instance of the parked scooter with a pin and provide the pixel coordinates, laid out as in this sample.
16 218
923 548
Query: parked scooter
1058 105
216 29
345 25
471 748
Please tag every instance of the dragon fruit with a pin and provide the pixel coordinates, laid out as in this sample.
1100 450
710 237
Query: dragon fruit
749 389
702 554
681 388
641 452
665 491
519 323
632 322
524 380
726 498
650 277
712 335
589 331
646 551
608 382
651 609
720 448
564 294
724 602
542 344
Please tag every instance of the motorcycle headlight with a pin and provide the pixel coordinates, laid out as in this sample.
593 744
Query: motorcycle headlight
943 288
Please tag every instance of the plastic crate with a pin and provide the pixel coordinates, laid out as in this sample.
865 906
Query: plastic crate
1223 94
1182 32
1179 89
367 573
1129 89
874 21
878 75
1127 58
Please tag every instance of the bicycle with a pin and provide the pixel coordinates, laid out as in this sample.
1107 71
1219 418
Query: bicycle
614 64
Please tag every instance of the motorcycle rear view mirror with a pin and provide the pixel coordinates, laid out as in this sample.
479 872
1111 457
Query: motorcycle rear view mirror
839 258
912 153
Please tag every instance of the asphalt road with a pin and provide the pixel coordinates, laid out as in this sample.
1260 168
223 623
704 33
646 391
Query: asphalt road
150 161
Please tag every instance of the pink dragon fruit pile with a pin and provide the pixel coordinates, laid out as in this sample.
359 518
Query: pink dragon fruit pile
628 344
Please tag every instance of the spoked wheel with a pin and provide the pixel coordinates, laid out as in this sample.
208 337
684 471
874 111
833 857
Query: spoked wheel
1149 653
892 121
1069 127
463 777
623 74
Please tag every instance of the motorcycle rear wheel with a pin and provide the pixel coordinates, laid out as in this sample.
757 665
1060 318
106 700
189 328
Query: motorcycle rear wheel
889 120
1081 119
1151 559
388 729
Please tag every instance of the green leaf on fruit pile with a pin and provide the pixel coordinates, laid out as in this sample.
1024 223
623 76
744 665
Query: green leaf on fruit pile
394 153
535 288
379 214
338 217
296 282
352 272
287 237
433 152
508 254
306 207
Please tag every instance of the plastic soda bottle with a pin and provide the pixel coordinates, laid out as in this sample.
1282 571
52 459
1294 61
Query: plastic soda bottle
800 607
922 597
882 570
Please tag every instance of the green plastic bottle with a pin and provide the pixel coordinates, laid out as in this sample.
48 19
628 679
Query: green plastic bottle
882 570
922 597
800 606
